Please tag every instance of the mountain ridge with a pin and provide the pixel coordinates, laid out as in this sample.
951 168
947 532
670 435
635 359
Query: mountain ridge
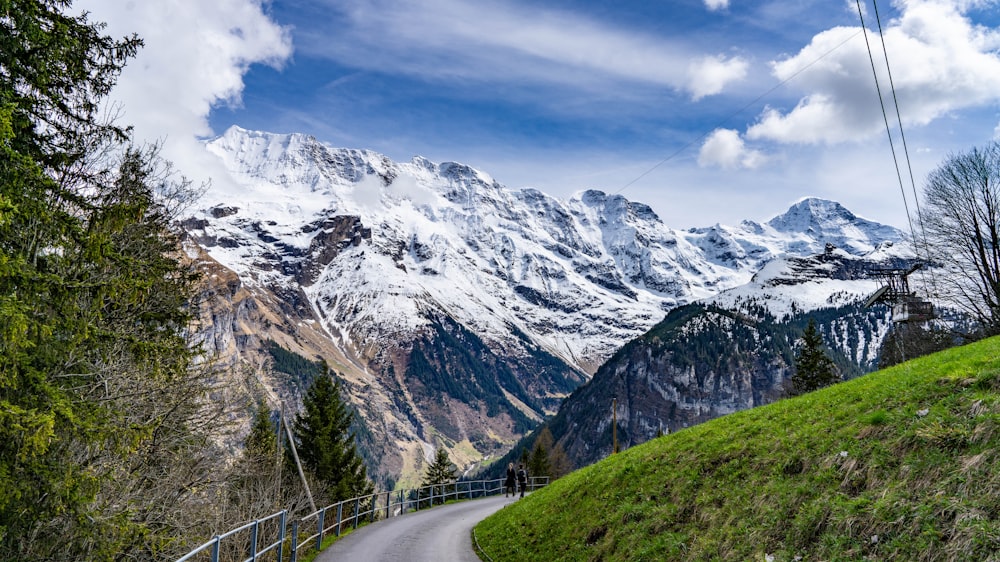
381 256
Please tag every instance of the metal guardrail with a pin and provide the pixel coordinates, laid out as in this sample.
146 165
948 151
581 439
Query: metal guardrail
250 542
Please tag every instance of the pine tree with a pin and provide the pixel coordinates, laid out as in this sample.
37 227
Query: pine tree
440 472
813 368
261 445
99 400
325 443
538 462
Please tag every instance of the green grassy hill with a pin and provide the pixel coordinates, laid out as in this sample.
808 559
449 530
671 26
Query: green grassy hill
902 464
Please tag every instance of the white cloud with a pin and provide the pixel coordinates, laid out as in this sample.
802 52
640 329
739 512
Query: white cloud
725 149
498 41
195 56
709 75
715 5
941 63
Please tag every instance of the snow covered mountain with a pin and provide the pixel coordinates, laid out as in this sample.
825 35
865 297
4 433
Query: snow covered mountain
458 311
730 352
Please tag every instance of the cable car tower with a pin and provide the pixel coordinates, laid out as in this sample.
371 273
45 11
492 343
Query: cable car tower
907 307
895 292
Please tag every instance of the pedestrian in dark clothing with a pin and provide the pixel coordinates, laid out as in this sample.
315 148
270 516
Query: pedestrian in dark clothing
510 485
522 478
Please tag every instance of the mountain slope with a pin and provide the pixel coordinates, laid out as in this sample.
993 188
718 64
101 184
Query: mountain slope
727 353
459 312
896 465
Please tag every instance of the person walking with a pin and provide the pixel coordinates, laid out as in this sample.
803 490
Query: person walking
509 485
522 478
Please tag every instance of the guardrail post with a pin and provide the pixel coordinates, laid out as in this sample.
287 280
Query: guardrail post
402 503
340 517
295 541
253 540
357 508
281 535
215 548
321 521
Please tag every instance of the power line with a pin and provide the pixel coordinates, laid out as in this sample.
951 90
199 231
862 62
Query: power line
906 152
885 118
899 115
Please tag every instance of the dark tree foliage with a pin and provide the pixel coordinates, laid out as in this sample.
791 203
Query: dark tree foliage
960 227
457 363
441 471
261 445
538 461
325 443
101 454
301 371
255 483
438 474
909 340
813 368
547 457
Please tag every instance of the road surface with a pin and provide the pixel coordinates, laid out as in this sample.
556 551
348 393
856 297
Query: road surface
443 533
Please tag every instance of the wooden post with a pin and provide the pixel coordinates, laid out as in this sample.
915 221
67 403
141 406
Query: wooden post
614 425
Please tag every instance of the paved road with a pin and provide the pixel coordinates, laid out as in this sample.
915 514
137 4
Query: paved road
443 533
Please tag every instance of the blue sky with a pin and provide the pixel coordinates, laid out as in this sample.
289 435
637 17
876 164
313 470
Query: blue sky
707 110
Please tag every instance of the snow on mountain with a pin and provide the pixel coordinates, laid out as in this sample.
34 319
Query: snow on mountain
793 284
379 250
580 277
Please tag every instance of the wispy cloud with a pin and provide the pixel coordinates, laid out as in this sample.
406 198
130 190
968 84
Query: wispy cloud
503 42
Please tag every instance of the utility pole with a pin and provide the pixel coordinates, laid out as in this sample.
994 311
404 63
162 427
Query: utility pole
614 425
277 460
298 464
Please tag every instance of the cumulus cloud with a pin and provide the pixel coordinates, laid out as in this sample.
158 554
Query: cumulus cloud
709 75
725 149
715 5
195 56
508 42
941 62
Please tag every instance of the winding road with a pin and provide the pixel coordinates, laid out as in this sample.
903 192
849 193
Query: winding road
432 535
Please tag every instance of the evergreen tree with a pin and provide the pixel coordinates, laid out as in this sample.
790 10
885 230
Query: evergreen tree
813 368
261 445
538 462
440 472
325 443
99 403
255 484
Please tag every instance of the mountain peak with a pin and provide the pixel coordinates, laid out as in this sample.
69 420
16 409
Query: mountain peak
810 211
829 222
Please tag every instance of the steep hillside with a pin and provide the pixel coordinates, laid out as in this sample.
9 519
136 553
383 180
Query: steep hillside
901 464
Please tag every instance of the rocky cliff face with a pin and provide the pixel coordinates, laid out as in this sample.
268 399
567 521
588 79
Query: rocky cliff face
457 312
728 353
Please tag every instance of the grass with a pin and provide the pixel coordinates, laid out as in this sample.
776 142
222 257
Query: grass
901 464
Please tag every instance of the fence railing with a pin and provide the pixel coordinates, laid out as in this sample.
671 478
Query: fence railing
273 537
